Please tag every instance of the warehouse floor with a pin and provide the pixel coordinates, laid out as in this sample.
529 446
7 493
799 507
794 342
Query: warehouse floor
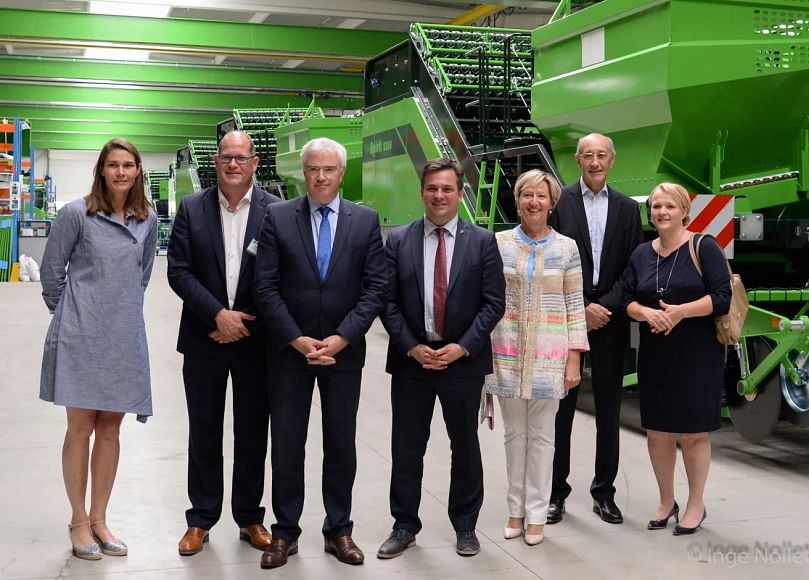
756 497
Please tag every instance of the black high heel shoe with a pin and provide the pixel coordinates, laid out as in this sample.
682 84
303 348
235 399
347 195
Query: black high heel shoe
683 531
661 524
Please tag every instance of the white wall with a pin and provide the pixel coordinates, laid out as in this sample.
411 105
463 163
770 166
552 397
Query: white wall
72 171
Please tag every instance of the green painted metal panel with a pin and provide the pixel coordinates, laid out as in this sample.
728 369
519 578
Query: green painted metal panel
396 144
163 99
63 127
95 142
217 36
221 76
101 115
144 129
675 74
292 137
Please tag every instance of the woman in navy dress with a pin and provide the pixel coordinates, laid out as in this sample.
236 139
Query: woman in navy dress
680 362
95 268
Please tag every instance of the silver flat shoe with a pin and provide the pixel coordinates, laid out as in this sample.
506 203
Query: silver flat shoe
116 548
89 552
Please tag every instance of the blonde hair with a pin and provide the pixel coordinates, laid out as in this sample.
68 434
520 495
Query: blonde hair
679 195
533 178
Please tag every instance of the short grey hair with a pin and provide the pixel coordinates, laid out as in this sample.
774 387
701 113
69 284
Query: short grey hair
581 140
324 145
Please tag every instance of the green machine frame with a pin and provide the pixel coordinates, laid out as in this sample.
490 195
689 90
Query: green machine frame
713 95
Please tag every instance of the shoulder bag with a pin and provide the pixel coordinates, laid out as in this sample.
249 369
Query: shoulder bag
728 326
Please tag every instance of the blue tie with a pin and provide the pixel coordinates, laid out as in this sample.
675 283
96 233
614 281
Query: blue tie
324 243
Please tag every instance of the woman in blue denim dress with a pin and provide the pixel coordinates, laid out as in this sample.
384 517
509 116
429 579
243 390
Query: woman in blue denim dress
95 268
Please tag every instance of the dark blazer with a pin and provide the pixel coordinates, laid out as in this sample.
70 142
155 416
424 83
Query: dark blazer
621 236
290 295
196 270
476 299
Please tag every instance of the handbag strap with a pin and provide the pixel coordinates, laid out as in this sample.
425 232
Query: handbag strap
693 249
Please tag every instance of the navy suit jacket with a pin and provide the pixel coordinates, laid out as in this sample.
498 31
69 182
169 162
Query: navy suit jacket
621 236
476 299
294 301
196 270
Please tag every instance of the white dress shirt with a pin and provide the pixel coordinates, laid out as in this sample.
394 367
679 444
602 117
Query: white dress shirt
595 206
430 248
234 225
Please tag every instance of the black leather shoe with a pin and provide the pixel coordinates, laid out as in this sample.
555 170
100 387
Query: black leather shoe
660 524
397 542
467 543
683 531
608 511
556 508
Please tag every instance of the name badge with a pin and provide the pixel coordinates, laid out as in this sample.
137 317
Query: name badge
252 248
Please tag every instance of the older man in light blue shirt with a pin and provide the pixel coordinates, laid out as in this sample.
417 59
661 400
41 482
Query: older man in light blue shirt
606 226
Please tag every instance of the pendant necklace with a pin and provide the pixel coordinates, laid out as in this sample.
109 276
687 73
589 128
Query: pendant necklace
660 289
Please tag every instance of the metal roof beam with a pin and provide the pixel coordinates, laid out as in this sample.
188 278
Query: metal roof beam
78 70
73 29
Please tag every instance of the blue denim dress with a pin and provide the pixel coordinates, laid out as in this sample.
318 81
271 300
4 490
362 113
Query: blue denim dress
94 273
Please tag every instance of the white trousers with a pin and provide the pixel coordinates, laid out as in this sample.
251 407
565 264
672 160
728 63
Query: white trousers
529 440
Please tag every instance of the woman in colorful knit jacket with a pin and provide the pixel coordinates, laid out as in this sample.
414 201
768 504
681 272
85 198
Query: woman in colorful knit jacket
536 348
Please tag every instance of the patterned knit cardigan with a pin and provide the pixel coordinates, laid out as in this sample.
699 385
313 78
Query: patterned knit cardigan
544 318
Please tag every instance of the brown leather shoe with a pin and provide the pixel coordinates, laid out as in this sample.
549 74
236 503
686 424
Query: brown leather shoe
276 555
257 535
191 542
344 548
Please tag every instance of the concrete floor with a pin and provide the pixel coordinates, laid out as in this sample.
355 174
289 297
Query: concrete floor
756 496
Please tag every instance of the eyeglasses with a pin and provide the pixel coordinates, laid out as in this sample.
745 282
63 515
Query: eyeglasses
240 159
601 156
328 171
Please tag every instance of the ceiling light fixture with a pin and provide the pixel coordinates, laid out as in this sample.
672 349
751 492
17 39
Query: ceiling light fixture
129 9
351 23
116 54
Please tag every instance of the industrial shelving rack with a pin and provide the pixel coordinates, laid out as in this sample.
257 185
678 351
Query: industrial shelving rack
202 152
156 182
14 137
156 188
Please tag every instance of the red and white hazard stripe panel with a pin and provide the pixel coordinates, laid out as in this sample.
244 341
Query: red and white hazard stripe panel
713 214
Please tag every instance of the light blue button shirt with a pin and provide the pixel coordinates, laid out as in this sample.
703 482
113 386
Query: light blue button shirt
534 244
316 217
595 207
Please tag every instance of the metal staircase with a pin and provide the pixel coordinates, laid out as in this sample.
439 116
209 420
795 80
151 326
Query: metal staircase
479 92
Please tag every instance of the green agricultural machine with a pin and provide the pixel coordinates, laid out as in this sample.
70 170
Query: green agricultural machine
450 91
713 95
710 94
292 137
261 125
194 170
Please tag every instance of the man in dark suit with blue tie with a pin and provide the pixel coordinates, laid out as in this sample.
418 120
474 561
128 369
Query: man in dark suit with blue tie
320 282
606 226
447 294
210 267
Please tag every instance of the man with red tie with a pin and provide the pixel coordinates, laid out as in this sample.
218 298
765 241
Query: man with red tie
447 293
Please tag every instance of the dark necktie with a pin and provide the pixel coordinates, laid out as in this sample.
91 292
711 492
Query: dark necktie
440 284
324 243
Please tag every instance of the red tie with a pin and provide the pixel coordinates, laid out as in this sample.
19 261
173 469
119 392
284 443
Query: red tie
440 284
